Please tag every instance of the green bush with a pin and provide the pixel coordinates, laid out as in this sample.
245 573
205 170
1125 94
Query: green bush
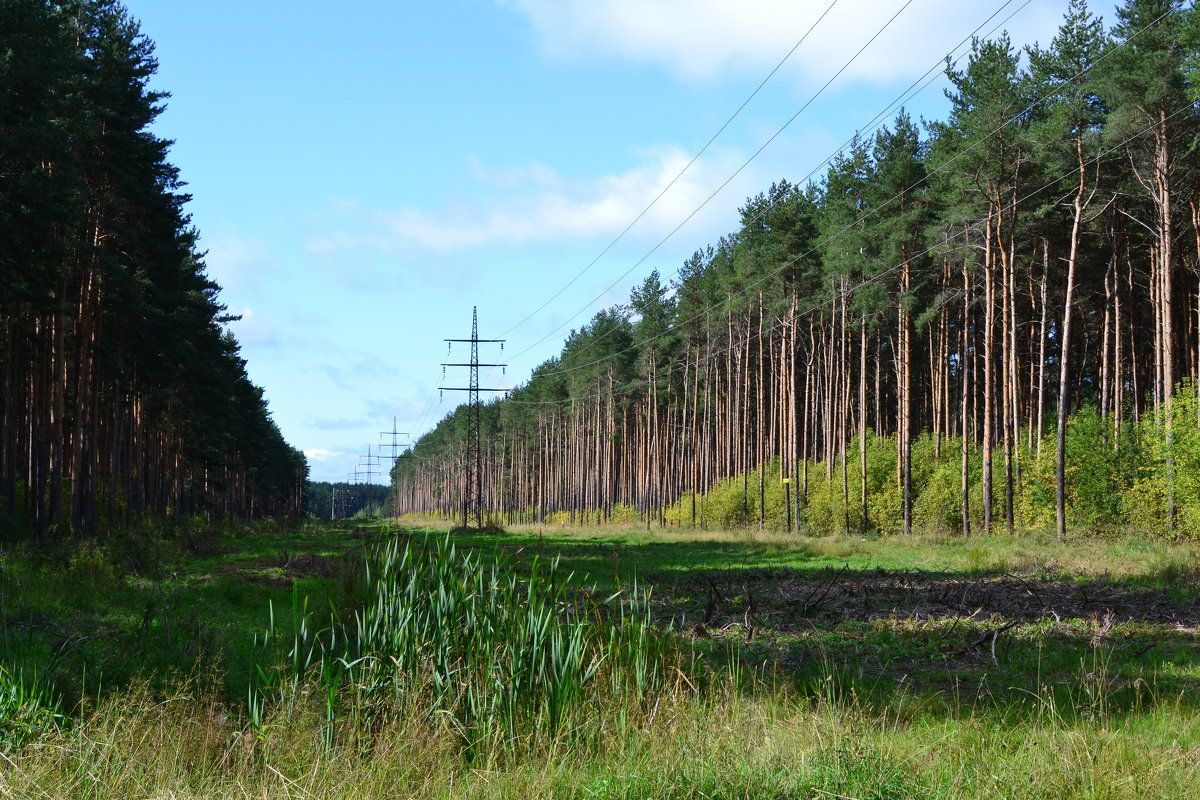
1109 483
824 510
937 507
620 513
774 501
1185 450
726 505
1099 474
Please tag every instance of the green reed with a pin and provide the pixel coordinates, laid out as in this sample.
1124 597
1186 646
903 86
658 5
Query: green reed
503 656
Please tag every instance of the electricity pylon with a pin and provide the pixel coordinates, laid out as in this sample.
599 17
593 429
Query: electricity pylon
472 496
372 462
394 445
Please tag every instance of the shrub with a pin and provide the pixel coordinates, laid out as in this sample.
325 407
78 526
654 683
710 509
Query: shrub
937 507
726 505
620 513
824 510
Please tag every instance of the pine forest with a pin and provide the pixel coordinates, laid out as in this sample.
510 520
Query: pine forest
123 395
983 323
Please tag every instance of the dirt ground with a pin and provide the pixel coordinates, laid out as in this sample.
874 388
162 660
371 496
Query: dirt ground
785 600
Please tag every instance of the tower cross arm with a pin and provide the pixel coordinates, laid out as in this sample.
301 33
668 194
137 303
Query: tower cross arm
470 389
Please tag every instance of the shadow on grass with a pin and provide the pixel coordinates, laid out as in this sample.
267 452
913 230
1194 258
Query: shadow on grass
952 638
87 621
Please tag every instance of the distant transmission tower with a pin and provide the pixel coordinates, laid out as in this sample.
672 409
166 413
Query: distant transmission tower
371 464
395 445
396 448
472 496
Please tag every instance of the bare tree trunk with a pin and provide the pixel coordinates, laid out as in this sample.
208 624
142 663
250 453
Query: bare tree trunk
1060 469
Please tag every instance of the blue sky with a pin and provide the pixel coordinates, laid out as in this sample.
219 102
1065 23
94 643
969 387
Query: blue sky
362 176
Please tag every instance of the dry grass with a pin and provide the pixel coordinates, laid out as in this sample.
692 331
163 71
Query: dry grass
184 745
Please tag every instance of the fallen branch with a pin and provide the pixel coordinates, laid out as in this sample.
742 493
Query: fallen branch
992 635
813 601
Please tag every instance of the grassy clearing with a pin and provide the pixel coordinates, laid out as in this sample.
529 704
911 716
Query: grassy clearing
992 621
886 668
1131 557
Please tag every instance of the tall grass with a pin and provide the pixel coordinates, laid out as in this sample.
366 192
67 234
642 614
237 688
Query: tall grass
503 659
776 745
29 708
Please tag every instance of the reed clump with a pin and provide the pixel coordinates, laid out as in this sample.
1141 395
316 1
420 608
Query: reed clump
503 658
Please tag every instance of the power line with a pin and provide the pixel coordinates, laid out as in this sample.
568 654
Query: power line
875 122
871 213
725 183
884 273
930 75
681 172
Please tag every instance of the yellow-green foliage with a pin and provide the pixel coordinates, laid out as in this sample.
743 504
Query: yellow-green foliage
1113 478
726 505
772 511
824 510
937 496
679 513
884 500
827 510
1120 479
1185 451
623 514
1166 470
1098 475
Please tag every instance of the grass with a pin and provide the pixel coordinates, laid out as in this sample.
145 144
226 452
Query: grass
860 668
91 620
776 746
999 625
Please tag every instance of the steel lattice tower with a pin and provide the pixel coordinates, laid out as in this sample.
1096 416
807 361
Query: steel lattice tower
472 495
395 446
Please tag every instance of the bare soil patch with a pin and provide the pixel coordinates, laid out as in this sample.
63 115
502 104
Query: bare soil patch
792 599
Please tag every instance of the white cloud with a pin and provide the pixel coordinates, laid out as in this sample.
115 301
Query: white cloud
699 39
240 264
322 456
534 203
254 329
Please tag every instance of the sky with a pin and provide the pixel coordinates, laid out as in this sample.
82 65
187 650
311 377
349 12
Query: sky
363 176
